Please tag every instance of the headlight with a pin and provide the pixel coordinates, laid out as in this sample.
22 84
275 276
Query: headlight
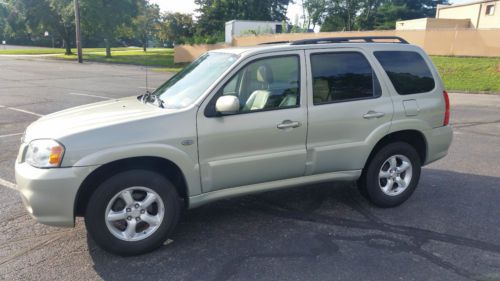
45 154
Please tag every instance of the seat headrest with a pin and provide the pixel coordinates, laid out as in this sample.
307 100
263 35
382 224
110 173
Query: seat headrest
321 90
265 74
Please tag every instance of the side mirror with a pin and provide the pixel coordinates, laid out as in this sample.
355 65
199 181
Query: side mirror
227 104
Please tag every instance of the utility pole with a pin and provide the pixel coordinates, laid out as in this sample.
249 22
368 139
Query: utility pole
78 33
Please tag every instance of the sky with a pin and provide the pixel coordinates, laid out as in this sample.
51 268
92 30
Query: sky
188 6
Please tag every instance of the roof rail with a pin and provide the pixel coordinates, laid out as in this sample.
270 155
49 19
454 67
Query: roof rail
365 39
274 42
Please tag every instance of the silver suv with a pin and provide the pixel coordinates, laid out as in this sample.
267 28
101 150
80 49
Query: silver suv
234 122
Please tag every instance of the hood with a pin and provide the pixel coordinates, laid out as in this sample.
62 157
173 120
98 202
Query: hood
92 116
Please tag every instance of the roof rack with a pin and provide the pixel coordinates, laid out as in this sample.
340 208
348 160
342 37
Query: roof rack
364 39
274 42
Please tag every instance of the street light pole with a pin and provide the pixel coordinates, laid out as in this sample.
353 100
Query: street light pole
78 33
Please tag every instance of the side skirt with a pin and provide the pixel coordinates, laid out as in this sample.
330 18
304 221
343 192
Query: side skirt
198 200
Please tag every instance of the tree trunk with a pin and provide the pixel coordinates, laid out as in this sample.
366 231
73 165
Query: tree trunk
67 46
108 48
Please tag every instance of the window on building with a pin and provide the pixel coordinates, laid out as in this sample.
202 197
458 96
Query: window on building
490 10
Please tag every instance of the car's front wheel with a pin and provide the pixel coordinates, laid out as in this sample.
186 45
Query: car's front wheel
392 175
132 212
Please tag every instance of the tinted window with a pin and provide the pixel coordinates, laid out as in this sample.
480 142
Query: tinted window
407 70
341 77
265 84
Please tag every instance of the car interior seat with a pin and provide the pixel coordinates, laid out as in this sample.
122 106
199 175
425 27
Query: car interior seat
258 99
321 90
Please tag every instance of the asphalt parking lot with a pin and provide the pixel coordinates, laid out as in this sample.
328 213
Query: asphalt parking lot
448 230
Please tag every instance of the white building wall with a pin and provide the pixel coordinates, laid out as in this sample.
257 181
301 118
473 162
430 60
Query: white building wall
237 28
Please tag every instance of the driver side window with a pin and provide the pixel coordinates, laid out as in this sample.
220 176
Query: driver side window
266 84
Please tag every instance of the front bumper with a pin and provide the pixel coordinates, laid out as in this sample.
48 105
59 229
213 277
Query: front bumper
49 194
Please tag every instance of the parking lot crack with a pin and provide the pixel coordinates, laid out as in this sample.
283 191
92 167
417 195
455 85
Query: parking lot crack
372 223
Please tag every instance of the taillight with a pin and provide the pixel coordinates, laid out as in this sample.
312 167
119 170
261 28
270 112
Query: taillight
447 108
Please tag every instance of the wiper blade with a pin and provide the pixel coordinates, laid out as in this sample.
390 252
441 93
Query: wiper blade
160 102
146 97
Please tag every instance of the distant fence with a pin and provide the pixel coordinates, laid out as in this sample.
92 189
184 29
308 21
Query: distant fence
444 42
188 53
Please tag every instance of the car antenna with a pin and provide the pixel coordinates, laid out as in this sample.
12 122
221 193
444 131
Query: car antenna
146 59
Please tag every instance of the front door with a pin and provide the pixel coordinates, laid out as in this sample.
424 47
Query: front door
266 140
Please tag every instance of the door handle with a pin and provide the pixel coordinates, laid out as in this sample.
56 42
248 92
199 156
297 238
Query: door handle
373 114
288 124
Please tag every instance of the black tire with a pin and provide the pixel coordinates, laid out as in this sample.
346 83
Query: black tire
369 183
95 214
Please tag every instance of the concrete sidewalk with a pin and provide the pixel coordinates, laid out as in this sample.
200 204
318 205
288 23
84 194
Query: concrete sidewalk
481 100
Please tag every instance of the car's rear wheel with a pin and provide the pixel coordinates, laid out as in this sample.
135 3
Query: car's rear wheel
392 175
132 212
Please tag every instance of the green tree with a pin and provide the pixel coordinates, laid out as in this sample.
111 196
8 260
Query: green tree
3 20
55 16
214 13
394 10
342 15
176 28
147 21
316 11
107 18
346 15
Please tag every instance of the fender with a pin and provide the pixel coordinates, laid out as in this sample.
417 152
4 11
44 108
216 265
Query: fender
410 124
186 163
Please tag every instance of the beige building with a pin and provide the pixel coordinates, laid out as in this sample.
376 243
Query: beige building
483 14
432 23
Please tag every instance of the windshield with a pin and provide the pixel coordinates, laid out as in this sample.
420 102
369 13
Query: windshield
191 82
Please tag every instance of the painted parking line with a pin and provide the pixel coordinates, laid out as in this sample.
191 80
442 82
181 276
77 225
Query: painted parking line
92 96
10 135
20 110
7 184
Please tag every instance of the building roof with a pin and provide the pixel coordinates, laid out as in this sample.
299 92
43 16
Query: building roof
464 4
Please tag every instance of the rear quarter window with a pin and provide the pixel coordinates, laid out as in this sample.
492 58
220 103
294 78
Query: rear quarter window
408 71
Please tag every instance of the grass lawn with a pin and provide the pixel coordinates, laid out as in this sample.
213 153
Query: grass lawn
466 74
163 59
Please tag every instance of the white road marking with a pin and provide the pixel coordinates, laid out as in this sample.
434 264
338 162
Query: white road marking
7 184
10 135
92 96
21 110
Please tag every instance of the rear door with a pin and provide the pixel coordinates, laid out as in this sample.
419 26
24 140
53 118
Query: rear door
349 109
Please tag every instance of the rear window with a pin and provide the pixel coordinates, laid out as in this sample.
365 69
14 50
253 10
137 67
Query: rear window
408 71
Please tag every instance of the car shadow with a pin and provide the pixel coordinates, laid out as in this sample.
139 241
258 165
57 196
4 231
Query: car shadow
449 226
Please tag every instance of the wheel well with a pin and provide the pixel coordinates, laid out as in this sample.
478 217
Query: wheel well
412 137
165 167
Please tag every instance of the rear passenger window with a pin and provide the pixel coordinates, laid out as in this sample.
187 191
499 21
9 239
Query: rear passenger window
342 77
407 70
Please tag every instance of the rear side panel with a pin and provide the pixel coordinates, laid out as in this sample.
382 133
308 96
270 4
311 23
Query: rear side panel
417 106
412 109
